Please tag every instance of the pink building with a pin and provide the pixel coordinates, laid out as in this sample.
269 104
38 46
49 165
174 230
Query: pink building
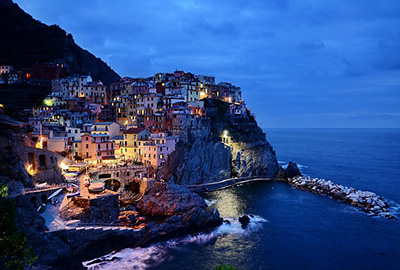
97 148
158 149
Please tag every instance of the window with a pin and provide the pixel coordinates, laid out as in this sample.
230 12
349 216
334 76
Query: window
87 146
76 145
87 138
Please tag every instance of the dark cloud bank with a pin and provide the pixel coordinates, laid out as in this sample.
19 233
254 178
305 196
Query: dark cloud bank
302 63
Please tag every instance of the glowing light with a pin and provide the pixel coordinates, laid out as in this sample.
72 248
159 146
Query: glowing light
39 143
30 170
47 102
64 166
225 133
202 94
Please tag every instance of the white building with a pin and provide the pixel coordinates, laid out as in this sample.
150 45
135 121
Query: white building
110 128
6 69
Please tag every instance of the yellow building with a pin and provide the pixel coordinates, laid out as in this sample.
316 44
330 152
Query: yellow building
131 147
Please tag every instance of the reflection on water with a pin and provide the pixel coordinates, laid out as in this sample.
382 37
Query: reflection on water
228 203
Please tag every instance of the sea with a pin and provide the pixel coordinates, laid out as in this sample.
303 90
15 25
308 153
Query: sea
290 228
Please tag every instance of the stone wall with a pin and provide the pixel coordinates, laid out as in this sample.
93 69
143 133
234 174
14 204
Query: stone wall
99 210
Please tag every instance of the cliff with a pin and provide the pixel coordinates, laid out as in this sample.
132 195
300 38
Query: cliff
26 41
226 146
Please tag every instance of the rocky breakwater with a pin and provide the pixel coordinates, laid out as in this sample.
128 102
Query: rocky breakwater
368 201
222 146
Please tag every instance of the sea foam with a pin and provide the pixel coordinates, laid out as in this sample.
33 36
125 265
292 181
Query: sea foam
143 258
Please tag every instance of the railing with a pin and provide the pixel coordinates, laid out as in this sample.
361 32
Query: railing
226 183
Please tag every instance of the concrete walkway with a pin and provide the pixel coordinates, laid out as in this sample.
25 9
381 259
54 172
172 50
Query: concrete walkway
226 183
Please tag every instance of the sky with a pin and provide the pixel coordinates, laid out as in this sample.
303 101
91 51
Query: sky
300 63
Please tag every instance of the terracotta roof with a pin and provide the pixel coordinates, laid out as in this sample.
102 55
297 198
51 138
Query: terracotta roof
134 130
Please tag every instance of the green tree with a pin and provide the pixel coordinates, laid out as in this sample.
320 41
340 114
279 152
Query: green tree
14 250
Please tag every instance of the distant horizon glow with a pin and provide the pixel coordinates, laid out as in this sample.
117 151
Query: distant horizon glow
299 63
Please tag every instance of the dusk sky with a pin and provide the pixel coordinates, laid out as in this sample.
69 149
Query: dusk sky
307 63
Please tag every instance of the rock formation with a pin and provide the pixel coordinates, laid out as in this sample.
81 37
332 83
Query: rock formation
291 171
180 208
226 146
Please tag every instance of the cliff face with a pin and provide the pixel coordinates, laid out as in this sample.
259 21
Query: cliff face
26 41
225 147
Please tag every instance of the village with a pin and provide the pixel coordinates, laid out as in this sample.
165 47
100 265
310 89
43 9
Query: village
135 120
108 137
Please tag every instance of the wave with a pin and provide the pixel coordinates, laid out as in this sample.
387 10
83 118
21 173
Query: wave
143 258
211 202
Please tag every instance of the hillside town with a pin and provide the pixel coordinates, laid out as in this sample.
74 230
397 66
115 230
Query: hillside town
132 121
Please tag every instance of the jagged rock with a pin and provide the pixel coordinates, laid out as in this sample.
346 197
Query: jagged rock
128 218
178 204
281 175
244 220
206 156
292 170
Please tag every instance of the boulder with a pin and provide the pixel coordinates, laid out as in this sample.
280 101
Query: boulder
170 201
292 170
244 220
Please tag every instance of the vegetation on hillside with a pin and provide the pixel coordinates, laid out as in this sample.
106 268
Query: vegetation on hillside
14 250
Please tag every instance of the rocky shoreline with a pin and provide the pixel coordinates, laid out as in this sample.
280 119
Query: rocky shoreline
169 211
366 200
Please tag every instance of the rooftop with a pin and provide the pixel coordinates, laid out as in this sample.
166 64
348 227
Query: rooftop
134 130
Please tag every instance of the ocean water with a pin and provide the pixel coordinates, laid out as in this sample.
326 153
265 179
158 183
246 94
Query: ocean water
294 229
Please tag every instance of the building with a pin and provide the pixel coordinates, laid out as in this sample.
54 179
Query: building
131 147
109 128
97 148
6 69
158 149
238 109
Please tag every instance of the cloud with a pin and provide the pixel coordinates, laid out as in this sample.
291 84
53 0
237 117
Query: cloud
308 56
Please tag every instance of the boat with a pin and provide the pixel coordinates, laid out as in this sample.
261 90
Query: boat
96 187
73 194
54 194
41 185
41 208
71 180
